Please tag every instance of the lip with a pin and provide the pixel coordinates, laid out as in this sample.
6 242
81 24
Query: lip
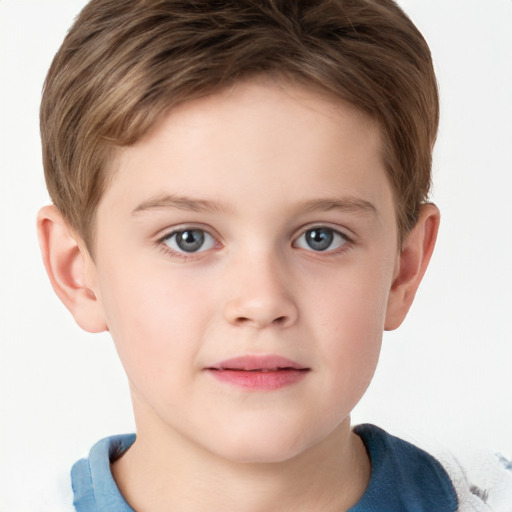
265 373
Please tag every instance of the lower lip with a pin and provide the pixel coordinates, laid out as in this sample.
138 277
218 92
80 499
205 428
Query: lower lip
259 380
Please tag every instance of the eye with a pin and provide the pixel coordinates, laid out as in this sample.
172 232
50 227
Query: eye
321 239
189 241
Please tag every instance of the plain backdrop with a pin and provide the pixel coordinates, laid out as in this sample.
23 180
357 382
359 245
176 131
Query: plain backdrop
445 375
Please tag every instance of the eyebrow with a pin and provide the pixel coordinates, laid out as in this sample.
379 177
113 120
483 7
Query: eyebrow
165 201
346 204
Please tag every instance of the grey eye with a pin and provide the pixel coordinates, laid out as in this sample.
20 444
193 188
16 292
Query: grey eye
321 239
190 240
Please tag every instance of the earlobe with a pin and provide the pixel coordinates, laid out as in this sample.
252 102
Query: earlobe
65 262
411 265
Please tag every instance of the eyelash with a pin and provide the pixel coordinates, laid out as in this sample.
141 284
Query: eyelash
184 256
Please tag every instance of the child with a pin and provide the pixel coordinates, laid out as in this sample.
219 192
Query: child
240 198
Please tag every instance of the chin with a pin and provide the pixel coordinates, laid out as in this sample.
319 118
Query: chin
264 447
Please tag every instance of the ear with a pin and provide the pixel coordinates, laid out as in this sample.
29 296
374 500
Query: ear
411 265
70 269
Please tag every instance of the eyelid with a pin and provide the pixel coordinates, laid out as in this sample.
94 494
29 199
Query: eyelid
343 231
162 234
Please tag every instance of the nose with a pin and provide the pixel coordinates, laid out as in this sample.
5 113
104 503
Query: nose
260 296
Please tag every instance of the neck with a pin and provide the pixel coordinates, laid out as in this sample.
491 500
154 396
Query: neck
162 472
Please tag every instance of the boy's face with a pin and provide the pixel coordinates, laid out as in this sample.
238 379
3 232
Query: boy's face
251 230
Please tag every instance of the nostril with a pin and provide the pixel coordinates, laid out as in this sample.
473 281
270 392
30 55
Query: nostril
243 320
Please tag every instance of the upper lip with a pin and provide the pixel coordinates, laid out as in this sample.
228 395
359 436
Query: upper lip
255 362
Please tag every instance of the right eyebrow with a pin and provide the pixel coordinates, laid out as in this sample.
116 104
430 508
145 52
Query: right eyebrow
190 204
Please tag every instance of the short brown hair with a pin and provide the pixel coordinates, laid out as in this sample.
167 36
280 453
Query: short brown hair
124 63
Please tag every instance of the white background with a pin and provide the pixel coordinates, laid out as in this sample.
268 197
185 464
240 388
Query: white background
445 375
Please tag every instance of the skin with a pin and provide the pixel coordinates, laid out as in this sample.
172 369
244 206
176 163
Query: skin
255 169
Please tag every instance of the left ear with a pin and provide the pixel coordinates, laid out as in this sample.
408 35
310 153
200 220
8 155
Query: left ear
411 265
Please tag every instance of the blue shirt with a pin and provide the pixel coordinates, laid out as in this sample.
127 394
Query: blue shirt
404 478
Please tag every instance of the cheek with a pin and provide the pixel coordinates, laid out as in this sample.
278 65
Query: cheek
352 302
350 316
156 322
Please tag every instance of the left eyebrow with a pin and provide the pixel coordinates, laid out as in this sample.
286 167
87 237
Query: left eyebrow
345 204
165 201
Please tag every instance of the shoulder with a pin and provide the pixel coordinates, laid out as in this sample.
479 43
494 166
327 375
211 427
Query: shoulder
50 491
85 486
434 478
60 496
94 488
404 477
482 480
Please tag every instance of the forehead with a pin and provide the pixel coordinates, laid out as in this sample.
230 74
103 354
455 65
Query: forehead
257 137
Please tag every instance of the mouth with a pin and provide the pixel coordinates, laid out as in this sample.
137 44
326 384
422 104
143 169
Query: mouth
265 373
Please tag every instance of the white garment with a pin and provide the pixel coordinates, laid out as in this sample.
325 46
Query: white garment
483 481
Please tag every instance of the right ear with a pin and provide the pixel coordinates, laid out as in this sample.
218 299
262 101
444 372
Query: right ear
69 267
